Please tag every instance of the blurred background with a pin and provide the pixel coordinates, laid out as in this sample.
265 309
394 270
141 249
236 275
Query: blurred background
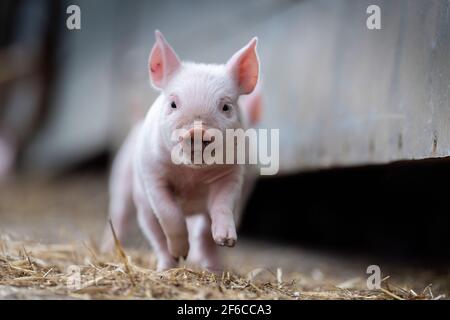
348 101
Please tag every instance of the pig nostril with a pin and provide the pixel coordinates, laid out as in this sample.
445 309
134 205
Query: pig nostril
207 140
194 134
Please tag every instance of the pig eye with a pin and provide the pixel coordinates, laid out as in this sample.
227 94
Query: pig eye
226 107
173 105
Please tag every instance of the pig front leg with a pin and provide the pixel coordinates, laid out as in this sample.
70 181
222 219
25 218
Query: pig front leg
203 249
170 217
151 228
223 196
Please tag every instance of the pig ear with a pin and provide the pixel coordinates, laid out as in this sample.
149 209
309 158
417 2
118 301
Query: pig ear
252 106
163 62
244 67
255 109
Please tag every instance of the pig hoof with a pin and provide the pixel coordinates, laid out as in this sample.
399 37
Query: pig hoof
225 236
231 242
179 248
179 259
225 241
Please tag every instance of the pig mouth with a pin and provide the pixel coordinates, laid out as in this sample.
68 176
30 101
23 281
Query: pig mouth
194 151
196 157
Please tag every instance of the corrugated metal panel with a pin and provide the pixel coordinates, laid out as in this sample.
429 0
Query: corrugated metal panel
341 94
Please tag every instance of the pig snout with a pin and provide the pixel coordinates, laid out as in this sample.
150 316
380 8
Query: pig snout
197 136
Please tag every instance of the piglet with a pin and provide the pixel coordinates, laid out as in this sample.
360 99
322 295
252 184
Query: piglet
184 208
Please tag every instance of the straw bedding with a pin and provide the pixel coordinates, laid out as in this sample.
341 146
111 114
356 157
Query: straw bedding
31 270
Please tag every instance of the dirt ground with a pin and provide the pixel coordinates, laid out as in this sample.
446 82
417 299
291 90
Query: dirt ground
49 229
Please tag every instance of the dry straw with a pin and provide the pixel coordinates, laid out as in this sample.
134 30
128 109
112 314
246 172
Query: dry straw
30 270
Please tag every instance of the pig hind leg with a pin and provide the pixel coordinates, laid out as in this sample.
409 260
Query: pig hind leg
121 204
121 207
203 249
